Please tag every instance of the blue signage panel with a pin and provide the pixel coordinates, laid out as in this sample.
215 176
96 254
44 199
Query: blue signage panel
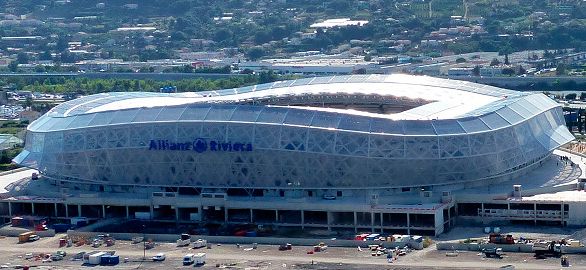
200 145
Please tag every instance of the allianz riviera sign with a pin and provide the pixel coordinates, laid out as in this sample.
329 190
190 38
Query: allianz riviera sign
200 145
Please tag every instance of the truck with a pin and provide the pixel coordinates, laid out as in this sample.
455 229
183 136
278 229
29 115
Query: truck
199 259
184 240
544 249
497 238
493 252
188 259
27 237
96 258
200 243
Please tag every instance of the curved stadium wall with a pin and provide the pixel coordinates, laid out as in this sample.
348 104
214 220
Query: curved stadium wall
458 133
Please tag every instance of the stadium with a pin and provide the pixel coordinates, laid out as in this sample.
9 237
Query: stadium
360 151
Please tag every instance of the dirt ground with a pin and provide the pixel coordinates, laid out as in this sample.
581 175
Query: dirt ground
268 257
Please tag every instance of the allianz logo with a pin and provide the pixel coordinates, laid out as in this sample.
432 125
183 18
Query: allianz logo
200 145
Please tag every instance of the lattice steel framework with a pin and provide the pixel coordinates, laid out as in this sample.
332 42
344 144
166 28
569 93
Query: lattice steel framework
289 146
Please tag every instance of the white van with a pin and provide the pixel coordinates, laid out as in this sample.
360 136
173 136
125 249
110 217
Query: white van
188 259
199 259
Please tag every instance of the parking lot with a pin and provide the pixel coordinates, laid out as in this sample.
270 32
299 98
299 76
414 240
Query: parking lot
268 257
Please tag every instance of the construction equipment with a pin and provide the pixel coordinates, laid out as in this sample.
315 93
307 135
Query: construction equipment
184 240
320 247
547 248
493 252
285 247
497 238
200 243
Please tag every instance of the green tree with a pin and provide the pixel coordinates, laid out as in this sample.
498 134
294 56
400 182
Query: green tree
255 53
561 69
460 60
571 96
22 58
495 62
13 66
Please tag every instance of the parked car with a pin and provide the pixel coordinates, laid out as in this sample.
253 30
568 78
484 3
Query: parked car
159 257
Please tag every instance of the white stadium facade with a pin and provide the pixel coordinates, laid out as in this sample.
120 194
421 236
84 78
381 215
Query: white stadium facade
361 152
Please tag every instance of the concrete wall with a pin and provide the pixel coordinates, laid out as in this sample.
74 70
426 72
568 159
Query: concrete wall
576 213
247 240
525 248
14 232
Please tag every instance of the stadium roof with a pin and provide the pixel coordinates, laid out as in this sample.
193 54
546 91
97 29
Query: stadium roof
449 106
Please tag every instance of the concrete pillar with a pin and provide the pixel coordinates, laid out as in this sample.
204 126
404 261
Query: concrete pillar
66 211
127 212
251 216
381 222
103 211
33 208
277 216
535 213
372 221
55 204
79 214
329 218
152 210
176 213
409 223
302 220
225 214
355 222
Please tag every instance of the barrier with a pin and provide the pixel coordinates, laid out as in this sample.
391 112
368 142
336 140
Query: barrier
249 240
523 248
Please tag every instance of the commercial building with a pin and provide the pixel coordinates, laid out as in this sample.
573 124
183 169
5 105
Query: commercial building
362 152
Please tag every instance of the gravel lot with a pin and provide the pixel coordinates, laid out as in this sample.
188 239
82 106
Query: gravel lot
268 257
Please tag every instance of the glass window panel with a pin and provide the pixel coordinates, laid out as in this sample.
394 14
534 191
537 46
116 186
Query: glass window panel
530 106
355 123
510 115
246 113
81 120
220 113
304 81
244 89
521 110
299 117
326 120
413 127
102 118
147 114
195 112
39 122
170 113
494 121
124 116
62 123
321 80
447 127
473 125
339 79
48 124
387 126
272 115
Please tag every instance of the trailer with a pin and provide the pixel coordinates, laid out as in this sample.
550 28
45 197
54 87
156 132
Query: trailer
199 259
96 259
200 243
